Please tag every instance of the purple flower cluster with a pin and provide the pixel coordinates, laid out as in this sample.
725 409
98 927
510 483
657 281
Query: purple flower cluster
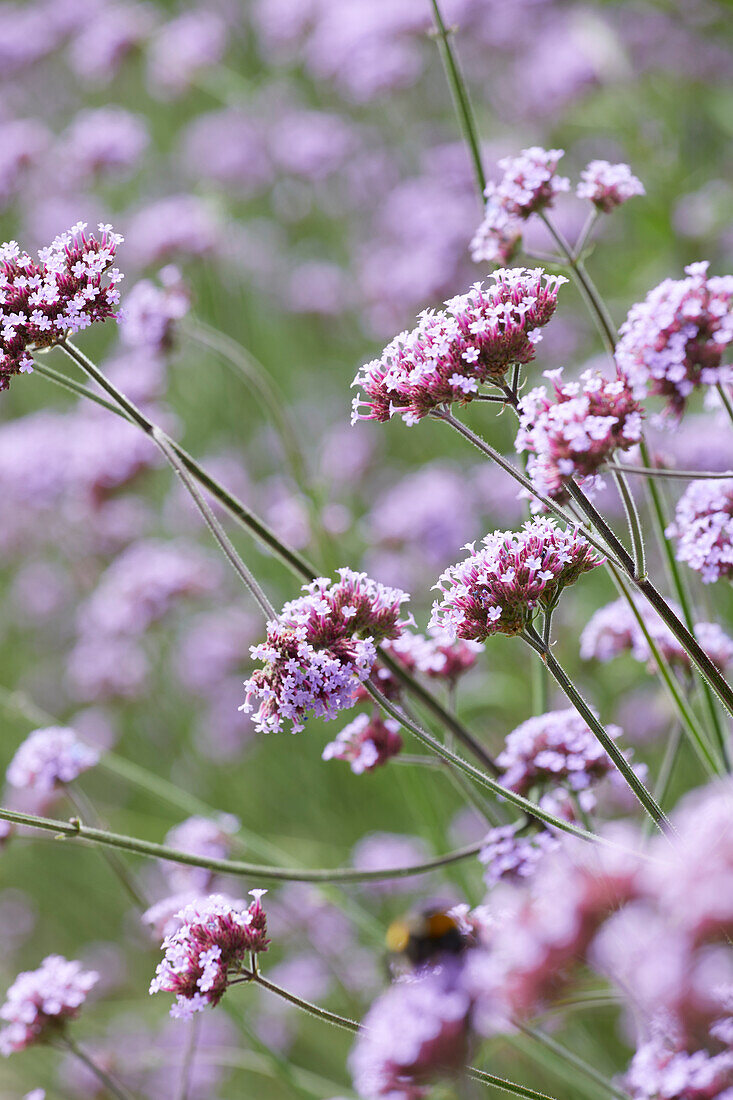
439 656
199 836
72 285
48 758
500 588
529 184
674 341
614 629
40 1002
553 748
508 856
575 430
321 647
150 311
608 185
416 1031
366 743
703 527
208 949
474 341
104 141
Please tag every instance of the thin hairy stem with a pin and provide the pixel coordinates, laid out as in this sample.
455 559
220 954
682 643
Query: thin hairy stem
77 829
506 1086
461 99
102 1076
679 475
245 575
632 519
84 807
571 1058
189 1054
726 399
586 231
566 684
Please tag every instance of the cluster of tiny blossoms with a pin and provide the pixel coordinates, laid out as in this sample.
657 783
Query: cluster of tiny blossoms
499 588
366 743
320 648
438 656
608 185
72 285
210 947
574 431
674 341
451 352
529 184
507 856
49 758
703 527
41 1001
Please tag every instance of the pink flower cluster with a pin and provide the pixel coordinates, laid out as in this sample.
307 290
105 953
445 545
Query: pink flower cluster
72 285
49 758
500 588
510 857
554 748
439 656
575 430
703 527
366 743
41 1001
199 836
674 341
209 948
320 648
150 311
614 629
451 352
529 184
608 185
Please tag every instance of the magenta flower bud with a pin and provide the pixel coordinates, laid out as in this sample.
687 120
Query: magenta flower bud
366 743
48 758
208 949
40 1002
674 341
575 428
321 647
72 285
451 352
501 587
703 527
608 185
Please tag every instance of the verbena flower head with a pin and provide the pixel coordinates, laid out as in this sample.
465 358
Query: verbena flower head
320 648
658 1071
674 341
608 185
507 856
209 948
366 743
703 528
39 1002
438 656
529 184
150 311
451 352
614 629
501 587
199 836
71 285
552 748
49 758
575 428
416 1031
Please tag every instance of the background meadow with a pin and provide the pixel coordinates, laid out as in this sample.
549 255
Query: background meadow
300 164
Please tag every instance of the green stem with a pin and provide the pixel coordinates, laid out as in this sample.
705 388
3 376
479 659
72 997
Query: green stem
189 1054
572 1059
112 1087
83 806
461 99
247 578
632 519
643 795
680 475
76 829
726 399
506 1086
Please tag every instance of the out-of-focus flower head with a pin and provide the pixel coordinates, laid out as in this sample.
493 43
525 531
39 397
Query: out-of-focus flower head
48 758
574 430
320 648
72 285
103 141
199 836
502 586
507 856
366 743
40 1002
211 945
173 228
183 48
608 185
150 311
703 528
451 352
439 656
674 341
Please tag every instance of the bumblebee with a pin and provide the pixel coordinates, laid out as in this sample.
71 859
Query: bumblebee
421 937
